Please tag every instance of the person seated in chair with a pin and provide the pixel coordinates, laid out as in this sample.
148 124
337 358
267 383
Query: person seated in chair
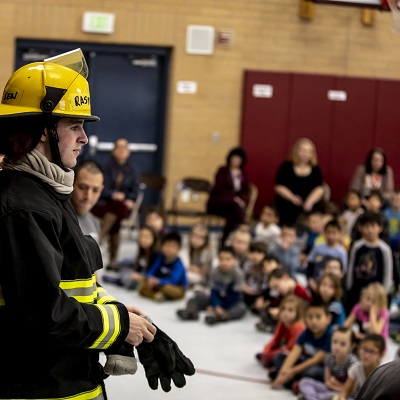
231 191
121 187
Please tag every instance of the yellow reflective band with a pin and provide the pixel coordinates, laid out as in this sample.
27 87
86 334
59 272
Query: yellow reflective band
104 297
78 283
95 394
111 326
89 299
117 325
82 290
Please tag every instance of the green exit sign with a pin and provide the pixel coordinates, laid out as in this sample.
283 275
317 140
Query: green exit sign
94 22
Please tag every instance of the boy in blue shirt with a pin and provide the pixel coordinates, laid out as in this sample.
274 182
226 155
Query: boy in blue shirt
332 248
166 278
306 359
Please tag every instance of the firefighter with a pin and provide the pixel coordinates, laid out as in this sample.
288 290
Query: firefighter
54 318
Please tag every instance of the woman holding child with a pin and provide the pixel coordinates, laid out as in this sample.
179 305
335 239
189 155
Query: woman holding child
299 183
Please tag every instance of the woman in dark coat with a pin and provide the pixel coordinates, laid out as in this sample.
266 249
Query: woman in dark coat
230 193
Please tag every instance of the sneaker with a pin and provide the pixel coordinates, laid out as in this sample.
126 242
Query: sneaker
112 279
211 319
295 387
263 327
272 373
112 267
187 315
159 297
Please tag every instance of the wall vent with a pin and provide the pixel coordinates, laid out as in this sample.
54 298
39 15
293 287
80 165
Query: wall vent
200 39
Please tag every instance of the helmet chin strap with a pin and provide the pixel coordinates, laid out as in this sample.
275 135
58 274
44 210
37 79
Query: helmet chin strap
53 141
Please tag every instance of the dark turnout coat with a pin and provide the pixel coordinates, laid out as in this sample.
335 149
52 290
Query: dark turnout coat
54 318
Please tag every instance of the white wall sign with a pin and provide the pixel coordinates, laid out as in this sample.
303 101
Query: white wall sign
265 91
186 87
337 95
95 22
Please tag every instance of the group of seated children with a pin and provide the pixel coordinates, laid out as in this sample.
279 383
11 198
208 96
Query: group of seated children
313 345
156 270
330 352
321 348
313 358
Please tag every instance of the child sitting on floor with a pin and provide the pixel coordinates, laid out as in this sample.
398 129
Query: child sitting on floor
225 302
308 354
371 314
319 253
240 241
290 326
371 351
286 250
329 291
267 229
353 204
254 275
132 273
267 304
166 278
197 256
337 364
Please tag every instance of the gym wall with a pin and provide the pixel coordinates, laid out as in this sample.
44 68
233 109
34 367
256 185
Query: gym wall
268 36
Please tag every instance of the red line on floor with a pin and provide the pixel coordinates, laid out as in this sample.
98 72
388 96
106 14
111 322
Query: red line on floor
231 376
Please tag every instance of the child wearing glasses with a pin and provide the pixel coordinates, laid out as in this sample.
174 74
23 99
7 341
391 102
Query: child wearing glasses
371 351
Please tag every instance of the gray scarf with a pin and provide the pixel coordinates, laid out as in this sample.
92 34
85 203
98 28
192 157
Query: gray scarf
37 164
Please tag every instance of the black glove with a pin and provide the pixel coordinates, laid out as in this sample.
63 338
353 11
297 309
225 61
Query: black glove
170 354
152 367
163 360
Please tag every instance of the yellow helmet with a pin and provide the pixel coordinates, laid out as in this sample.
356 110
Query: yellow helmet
56 87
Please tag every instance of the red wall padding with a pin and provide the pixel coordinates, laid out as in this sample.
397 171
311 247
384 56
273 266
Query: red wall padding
343 131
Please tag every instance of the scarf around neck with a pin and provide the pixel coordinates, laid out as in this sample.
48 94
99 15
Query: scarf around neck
37 164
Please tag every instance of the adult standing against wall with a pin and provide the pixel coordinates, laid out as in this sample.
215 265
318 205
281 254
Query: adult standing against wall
230 194
299 183
121 187
374 174
49 298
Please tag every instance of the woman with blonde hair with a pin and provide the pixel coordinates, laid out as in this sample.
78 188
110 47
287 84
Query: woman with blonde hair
299 183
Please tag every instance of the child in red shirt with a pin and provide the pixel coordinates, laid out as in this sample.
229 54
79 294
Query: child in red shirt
290 326
280 281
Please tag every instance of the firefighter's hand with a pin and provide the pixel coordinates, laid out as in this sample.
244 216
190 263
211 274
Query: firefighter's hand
140 330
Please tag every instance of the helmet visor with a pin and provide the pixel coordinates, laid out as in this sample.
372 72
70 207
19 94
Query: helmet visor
73 59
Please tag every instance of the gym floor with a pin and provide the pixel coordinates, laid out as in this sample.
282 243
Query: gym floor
222 354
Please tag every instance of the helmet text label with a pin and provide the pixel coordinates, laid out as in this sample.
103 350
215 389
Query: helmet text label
81 100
